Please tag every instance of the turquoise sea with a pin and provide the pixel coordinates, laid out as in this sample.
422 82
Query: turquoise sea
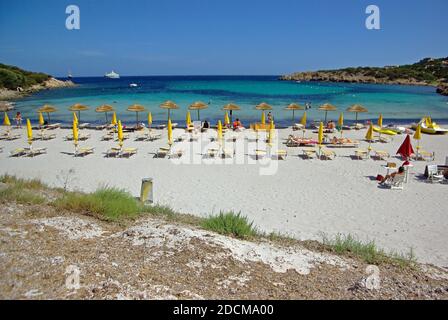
398 104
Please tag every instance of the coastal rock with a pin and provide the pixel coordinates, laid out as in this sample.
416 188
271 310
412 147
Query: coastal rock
52 83
443 89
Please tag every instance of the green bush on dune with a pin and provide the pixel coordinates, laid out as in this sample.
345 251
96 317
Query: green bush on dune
107 203
230 224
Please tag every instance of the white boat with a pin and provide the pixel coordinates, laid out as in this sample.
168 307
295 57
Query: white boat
133 85
112 75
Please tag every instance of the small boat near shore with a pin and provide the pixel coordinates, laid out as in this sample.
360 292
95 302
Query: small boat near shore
430 127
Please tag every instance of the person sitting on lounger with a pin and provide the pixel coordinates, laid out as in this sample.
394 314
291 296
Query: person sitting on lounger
331 125
237 125
390 176
205 126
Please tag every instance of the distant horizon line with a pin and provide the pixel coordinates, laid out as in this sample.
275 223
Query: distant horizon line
179 75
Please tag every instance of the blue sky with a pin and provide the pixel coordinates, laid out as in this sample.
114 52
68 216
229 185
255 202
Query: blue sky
202 37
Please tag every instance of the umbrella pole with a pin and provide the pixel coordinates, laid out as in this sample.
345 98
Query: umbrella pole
199 118
79 116
168 114
106 118
136 118
356 118
48 114
326 112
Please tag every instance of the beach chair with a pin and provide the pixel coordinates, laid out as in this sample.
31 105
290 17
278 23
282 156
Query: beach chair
83 151
382 155
327 154
384 139
226 153
112 152
154 136
108 136
175 153
8 136
142 136
125 137
101 127
45 136
396 182
83 125
18 152
162 152
433 174
212 152
259 154
309 153
424 155
280 154
362 154
128 152
52 126
32 152
81 137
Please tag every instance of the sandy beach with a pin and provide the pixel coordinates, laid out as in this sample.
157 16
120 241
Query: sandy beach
300 198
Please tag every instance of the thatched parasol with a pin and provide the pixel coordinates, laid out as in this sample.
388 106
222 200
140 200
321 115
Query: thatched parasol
105 108
5 106
169 105
357 108
327 107
263 106
198 105
294 107
136 108
47 109
78 108
231 107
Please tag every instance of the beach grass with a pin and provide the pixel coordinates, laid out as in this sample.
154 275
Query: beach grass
106 203
32 184
19 195
367 250
230 224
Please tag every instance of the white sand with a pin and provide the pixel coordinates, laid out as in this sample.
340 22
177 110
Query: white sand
303 198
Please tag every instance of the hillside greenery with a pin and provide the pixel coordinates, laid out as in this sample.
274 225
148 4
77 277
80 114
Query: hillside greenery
12 77
428 70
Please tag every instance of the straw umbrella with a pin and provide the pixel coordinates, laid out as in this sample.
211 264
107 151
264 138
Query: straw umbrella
170 132
198 105
29 132
75 135
341 122
78 108
169 105
136 108
231 107
369 136
149 120
418 136
357 108
327 107
320 137
263 107
188 119
294 107
47 109
105 108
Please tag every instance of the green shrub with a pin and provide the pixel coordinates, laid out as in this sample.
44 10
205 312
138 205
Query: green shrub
367 251
230 224
107 203
19 195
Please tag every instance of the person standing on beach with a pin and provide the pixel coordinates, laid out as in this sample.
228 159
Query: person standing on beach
18 119
270 117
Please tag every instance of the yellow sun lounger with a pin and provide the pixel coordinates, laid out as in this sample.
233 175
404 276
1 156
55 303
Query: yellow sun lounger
162 152
27 152
83 151
175 153
327 154
121 152
227 153
45 136
81 137
424 155
281 154
382 155
10 136
260 154
362 154
212 152
309 153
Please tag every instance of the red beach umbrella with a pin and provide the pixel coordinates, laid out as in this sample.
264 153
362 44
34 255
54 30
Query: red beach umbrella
406 149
